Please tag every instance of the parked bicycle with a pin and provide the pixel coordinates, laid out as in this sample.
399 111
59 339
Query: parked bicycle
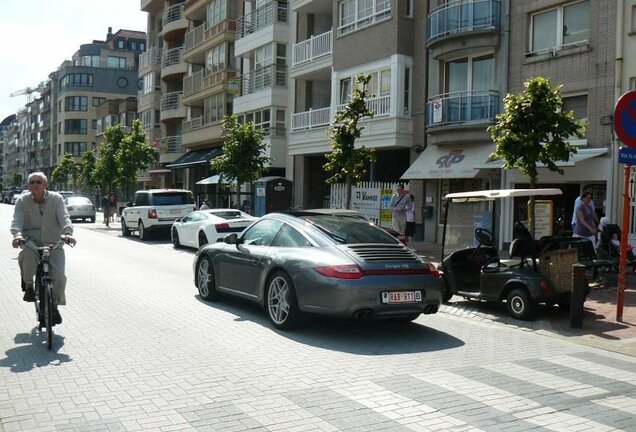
44 285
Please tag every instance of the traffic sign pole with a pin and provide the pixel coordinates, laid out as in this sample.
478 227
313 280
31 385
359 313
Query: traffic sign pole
622 259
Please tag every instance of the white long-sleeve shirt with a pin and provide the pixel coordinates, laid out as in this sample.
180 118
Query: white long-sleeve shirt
43 222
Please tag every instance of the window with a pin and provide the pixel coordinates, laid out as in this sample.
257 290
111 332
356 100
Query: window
75 126
407 90
577 104
467 84
289 237
150 119
76 103
356 14
97 101
262 233
75 148
345 90
77 79
564 25
216 12
91 61
632 83
116 62
409 8
120 44
213 107
150 83
633 27
215 59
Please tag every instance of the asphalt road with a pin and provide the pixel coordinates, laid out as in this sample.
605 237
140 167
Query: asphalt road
138 350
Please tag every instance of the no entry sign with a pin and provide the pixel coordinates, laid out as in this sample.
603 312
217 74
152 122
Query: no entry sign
625 119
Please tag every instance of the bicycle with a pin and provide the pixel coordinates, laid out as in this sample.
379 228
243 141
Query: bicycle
44 285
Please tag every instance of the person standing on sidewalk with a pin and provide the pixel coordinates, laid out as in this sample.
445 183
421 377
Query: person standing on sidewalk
400 203
409 230
112 204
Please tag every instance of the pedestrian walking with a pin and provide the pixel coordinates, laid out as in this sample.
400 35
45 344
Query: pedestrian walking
112 204
106 209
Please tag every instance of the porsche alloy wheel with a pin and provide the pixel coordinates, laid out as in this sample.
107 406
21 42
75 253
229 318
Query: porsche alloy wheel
282 306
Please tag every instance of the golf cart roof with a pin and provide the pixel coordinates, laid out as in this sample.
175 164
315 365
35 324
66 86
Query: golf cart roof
491 195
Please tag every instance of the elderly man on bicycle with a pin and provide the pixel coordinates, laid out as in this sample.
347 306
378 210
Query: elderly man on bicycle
41 216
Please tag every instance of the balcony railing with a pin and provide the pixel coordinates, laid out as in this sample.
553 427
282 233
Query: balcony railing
150 57
311 119
171 144
381 106
262 78
173 13
171 57
462 107
463 16
266 15
171 101
313 48
202 33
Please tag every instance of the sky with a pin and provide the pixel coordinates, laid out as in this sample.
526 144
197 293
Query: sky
38 35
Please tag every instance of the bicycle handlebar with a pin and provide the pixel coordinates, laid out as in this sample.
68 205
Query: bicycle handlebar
30 243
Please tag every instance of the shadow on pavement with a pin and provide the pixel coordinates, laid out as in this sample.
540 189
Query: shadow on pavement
33 352
369 337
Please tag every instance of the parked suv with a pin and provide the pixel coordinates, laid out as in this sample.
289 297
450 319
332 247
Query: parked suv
155 210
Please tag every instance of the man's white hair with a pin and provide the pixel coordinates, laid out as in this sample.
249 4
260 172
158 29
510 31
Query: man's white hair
39 174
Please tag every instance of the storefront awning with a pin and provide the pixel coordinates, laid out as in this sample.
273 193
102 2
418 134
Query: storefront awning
438 162
215 179
195 157
581 155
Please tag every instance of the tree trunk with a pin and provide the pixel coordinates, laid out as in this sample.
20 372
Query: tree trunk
531 222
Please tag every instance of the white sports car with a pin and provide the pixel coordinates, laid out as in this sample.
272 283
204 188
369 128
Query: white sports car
201 227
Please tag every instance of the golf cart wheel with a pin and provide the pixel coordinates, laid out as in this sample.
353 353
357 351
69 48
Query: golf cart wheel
520 305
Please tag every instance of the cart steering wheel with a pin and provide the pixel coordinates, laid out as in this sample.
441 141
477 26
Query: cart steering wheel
484 237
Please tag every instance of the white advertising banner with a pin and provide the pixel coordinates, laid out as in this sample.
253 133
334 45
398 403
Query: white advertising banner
366 201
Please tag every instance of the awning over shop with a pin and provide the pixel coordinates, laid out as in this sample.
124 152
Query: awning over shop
195 157
581 155
438 162
215 179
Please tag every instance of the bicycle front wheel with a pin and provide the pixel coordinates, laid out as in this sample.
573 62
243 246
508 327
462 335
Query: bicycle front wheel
48 313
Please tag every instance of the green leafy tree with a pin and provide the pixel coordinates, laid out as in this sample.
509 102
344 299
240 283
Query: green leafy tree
65 168
345 161
106 169
132 155
16 180
86 175
534 129
243 159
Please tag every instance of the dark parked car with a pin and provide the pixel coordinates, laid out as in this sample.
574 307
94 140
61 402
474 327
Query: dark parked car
319 263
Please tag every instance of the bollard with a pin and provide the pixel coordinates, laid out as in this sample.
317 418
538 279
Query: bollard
577 297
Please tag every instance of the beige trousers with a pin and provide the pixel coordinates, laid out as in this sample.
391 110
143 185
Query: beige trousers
28 260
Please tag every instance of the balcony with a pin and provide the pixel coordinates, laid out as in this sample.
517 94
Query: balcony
266 15
174 22
171 106
313 48
199 131
149 60
195 10
170 148
263 78
172 63
205 83
201 39
447 115
381 106
463 25
148 100
311 119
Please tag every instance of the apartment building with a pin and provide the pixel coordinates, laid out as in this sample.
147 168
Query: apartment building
5 145
162 69
97 72
332 42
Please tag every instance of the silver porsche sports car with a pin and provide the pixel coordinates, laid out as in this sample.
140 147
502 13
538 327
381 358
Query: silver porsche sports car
320 264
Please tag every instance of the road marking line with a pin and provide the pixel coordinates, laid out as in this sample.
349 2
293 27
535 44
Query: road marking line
543 379
406 411
593 368
517 406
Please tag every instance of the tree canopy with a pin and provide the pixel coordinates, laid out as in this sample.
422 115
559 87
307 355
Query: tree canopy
533 129
345 161
65 168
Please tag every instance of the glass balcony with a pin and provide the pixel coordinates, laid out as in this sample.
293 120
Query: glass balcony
266 15
462 107
463 16
263 78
